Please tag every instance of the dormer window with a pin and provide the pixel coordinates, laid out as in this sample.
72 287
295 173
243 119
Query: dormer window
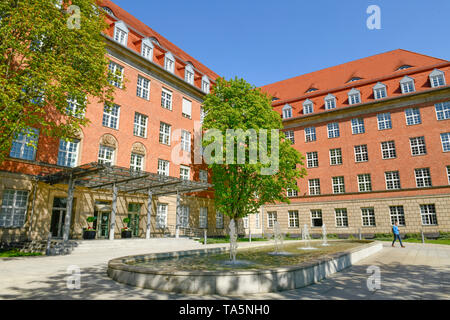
379 91
287 111
189 73
121 33
437 78
147 49
407 84
405 66
308 107
330 102
205 84
354 79
354 96
108 11
169 62
311 90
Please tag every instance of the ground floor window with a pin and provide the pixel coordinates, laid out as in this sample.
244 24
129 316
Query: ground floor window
271 218
368 217
184 217
293 219
134 210
428 214
219 220
14 208
341 217
203 218
397 214
316 218
245 221
161 216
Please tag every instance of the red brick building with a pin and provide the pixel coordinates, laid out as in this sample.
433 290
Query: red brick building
375 134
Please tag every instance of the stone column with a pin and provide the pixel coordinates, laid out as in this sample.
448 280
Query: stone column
113 212
69 206
149 214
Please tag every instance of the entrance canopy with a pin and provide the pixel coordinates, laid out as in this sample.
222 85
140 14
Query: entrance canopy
102 176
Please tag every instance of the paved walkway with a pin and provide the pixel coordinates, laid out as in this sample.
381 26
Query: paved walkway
415 272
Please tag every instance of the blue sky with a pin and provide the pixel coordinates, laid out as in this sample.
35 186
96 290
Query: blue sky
267 41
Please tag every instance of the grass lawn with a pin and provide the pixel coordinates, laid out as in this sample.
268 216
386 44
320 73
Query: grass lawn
438 241
226 240
17 253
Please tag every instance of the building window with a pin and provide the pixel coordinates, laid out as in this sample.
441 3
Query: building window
75 108
161 216
137 162
163 167
117 74
442 110
111 114
308 107
379 91
333 130
143 88
314 187
354 96
147 49
293 219
290 135
121 33
330 102
361 153
335 156
287 111
202 114
164 133
24 144
384 121
257 215
392 180
14 208
245 221
388 150
364 183
205 84
106 155
169 62
358 126
338 185
140 125
341 218
423 177
448 174
203 175
310 134
183 217
412 116
219 220
428 214
397 215
185 140
407 85
68 153
166 99
203 218
437 78
186 109
445 140
316 218
292 193
368 217
418 146
185 172
271 218
189 74
312 159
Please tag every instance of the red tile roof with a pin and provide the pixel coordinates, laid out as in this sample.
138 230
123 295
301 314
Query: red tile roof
372 67
141 27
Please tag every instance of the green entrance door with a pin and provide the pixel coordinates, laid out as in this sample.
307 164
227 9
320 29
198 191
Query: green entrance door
134 210
102 223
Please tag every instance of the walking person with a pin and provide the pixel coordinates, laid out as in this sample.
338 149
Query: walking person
396 234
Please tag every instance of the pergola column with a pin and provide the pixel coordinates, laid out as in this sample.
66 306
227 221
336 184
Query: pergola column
149 213
113 212
177 230
69 206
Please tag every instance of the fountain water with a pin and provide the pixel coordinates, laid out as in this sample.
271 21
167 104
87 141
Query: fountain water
324 235
278 237
306 238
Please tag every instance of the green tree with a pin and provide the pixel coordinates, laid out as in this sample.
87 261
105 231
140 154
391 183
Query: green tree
240 187
50 51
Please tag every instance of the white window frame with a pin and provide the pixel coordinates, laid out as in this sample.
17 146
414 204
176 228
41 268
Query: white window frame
428 215
189 74
407 85
183 216
291 193
335 157
140 125
308 107
330 102
333 130
442 110
354 96
448 174
219 220
341 216
361 153
338 184
203 218
384 121
392 179
161 215
312 159
106 155
316 214
364 182
437 78
121 33
368 217
294 221
163 167
290 135
143 88
24 144
379 91
412 116
147 49
13 211
388 150
137 162
164 133
169 62
186 109
423 177
314 187
271 218
310 134
185 140
206 84
111 116
418 147
287 111
397 213
166 99
185 172
445 141
117 71
68 153
358 126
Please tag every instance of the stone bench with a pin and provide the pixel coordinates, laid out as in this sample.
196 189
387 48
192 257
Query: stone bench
432 235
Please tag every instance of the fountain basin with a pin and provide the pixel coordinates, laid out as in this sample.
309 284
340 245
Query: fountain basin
231 282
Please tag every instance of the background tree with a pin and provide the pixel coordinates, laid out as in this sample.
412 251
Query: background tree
240 189
47 55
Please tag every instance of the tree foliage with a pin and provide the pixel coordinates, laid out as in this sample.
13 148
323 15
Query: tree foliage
240 188
46 59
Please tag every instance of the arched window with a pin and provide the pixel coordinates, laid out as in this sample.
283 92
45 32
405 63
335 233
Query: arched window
147 49
137 161
205 84
121 33
189 73
169 62
107 150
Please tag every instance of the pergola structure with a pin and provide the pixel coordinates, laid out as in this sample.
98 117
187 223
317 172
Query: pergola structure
119 179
